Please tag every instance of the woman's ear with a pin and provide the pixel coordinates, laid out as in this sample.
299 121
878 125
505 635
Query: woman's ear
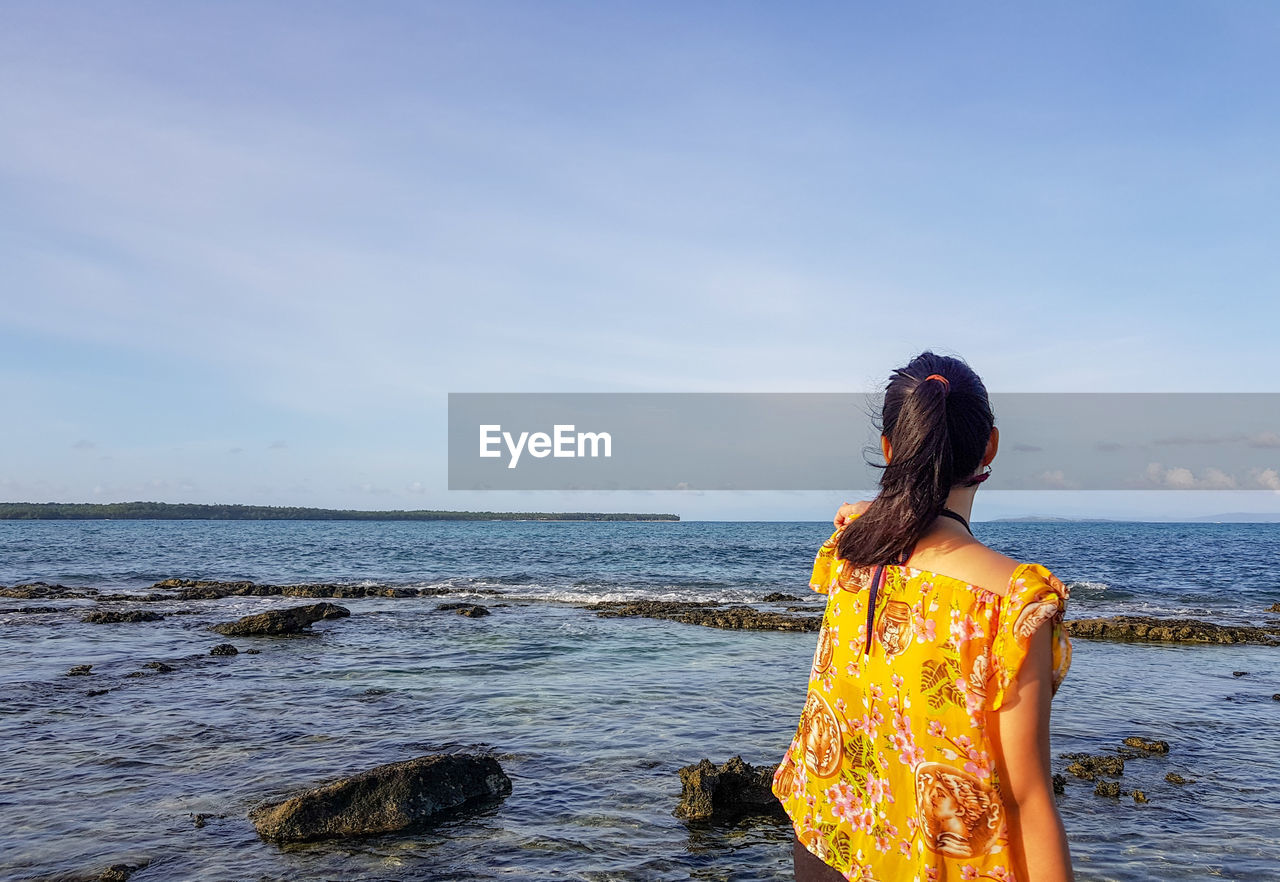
993 446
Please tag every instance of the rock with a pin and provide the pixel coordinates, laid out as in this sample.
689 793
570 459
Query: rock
1059 783
1142 628
1147 744
1139 797
385 799
199 819
1107 788
79 670
36 609
44 589
471 610
730 789
224 649
120 872
1175 778
1276 697
106 617
708 613
1239 673
158 667
779 597
252 651
93 692
277 622
1275 607
1089 766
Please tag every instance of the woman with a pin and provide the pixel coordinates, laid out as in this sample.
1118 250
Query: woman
922 752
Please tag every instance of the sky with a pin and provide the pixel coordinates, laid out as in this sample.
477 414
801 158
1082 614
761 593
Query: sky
249 248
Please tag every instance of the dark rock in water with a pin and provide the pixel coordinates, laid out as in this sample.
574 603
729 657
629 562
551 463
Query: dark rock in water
120 872
1147 744
36 609
252 651
150 597
1140 797
107 617
79 670
1142 628
471 610
708 613
1276 697
224 649
1107 788
1239 673
159 667
94 692
199 819
44 589
779 597
281 621
1059 783
1275 607
732 788
1175 778
1090 766
385 799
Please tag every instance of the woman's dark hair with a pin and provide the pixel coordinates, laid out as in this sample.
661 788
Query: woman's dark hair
937 433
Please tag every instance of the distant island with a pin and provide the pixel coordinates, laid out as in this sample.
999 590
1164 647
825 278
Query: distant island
166 511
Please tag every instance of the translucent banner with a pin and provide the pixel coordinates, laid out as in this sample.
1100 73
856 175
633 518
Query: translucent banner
824 441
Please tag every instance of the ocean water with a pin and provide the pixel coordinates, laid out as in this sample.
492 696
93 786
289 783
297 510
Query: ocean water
590 717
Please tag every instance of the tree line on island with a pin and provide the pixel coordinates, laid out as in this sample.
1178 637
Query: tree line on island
32 511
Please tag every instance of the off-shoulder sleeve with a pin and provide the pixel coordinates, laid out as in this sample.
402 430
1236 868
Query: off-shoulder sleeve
825 565
1036 597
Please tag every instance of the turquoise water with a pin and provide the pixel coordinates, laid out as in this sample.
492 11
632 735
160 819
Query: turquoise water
590 717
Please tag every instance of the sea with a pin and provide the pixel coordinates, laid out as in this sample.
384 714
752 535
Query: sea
591 717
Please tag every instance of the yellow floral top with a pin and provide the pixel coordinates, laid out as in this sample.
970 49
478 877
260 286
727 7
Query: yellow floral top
890 775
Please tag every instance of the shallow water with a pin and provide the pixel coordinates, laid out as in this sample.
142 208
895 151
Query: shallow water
590 717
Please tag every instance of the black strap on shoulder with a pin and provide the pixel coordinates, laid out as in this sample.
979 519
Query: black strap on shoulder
876 578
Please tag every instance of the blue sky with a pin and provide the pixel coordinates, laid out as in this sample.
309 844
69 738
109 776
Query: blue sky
249 248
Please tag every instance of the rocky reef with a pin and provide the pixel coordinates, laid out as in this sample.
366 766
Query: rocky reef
1145 629
708 613
386 799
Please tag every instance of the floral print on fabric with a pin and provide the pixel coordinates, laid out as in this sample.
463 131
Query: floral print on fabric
891 774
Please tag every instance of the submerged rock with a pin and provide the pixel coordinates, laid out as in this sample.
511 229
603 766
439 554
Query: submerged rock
1143 628
107 617
1147 744
1175 778
224 649
281 621
385 799
471 610
1275 607
1140 797
80 670
732 788
120 872
1059 783
1107 788
1090 766
779 597
1239 673
708 613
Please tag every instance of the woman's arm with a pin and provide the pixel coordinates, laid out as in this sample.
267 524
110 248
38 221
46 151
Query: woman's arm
1019 731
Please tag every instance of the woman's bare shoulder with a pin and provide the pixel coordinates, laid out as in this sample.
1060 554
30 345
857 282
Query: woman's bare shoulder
973 563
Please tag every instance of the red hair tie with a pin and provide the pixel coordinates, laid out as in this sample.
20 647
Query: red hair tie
945 382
